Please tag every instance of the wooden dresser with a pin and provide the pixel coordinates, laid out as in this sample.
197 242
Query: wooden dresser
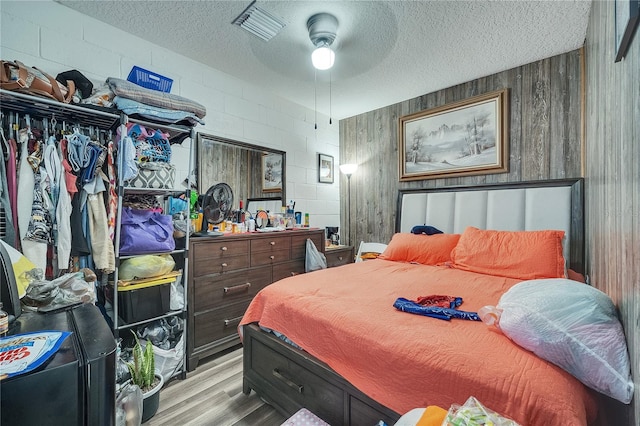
226 272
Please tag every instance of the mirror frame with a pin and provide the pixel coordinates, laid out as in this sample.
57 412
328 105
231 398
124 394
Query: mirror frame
202 138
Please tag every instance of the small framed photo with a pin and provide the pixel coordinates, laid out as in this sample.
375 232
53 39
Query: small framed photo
627 17
271 173
325 168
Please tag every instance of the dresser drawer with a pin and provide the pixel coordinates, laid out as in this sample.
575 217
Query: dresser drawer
339 256
275 242
268 257
218 323
362 414
298 384
221 265
299 244
219 249
214 290
288 269
218 257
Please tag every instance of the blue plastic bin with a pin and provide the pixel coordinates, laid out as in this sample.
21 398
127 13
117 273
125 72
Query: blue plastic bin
150 80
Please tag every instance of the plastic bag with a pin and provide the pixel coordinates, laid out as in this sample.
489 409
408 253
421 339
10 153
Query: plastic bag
69 289
176 300
147 266
314 260
129 406
167 338
164 333
570 324
473 413
169 361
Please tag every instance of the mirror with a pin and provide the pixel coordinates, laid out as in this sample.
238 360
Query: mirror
255 174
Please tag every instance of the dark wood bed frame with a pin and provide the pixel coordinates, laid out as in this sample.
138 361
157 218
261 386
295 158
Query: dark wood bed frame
289 379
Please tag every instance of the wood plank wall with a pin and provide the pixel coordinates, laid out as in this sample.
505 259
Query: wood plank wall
545 101
223 163
612 181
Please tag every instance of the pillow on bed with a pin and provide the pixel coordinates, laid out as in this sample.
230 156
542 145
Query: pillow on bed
424 249
574 326
523 255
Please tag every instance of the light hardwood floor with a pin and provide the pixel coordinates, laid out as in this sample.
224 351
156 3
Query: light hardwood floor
212 396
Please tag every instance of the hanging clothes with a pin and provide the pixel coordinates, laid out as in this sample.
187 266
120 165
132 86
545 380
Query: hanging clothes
5 202
112 200
93 192
35 251
69 177
79 246
101 244
12 189
62 203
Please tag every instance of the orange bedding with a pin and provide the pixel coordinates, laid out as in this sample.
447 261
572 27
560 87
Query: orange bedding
345 317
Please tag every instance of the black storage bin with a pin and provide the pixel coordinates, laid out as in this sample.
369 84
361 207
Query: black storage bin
144 303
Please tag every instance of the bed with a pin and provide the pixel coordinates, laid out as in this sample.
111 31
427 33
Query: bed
332 342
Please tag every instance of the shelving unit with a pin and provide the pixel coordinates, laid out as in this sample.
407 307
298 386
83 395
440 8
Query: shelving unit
180 255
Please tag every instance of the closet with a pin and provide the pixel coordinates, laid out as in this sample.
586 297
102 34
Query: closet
70 206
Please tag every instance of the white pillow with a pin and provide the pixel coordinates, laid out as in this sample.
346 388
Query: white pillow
574 326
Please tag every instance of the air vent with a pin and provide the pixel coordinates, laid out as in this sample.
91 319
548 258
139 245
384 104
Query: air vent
259 22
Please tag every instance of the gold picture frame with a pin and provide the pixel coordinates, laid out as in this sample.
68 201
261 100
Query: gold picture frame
464 138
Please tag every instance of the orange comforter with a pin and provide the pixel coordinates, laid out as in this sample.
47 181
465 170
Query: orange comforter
345 317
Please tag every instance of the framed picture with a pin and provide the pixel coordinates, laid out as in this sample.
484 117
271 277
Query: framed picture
626 15
325 168
271 173
465 138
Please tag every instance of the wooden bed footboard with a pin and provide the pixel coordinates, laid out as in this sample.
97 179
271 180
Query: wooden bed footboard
290 379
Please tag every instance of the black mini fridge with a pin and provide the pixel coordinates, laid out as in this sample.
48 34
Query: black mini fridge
76 386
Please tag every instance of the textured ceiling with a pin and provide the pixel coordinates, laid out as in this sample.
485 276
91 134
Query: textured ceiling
386 51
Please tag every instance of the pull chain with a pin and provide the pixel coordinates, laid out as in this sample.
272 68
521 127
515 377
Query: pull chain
315 98
329 96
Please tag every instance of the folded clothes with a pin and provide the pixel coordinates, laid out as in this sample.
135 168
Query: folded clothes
425 229
441 301
412 307
126 89
164 115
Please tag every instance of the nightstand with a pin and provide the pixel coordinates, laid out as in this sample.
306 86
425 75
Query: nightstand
338 255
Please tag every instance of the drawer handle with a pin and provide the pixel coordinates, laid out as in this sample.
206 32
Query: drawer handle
223 248
272 257
223 265
340 257
288 382
237 288
273 243
232 321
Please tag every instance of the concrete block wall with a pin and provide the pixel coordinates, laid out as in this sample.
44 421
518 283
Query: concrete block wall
55 38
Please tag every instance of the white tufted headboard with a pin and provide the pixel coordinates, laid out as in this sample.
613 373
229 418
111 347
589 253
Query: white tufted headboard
523 206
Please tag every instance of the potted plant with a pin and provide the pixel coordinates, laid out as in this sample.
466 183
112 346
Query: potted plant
143 374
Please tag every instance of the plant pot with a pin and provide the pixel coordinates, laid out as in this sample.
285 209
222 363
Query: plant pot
151 400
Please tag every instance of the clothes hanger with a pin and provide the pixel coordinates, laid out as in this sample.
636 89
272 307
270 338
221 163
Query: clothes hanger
5 152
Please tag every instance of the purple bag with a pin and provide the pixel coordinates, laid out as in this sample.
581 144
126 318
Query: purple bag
145 231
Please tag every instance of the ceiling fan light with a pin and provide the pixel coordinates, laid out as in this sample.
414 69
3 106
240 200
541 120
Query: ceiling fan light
323 58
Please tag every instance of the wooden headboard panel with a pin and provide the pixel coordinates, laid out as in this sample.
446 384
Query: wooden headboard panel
521 206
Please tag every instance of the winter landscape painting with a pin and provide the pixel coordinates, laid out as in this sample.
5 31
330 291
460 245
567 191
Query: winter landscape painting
464 138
